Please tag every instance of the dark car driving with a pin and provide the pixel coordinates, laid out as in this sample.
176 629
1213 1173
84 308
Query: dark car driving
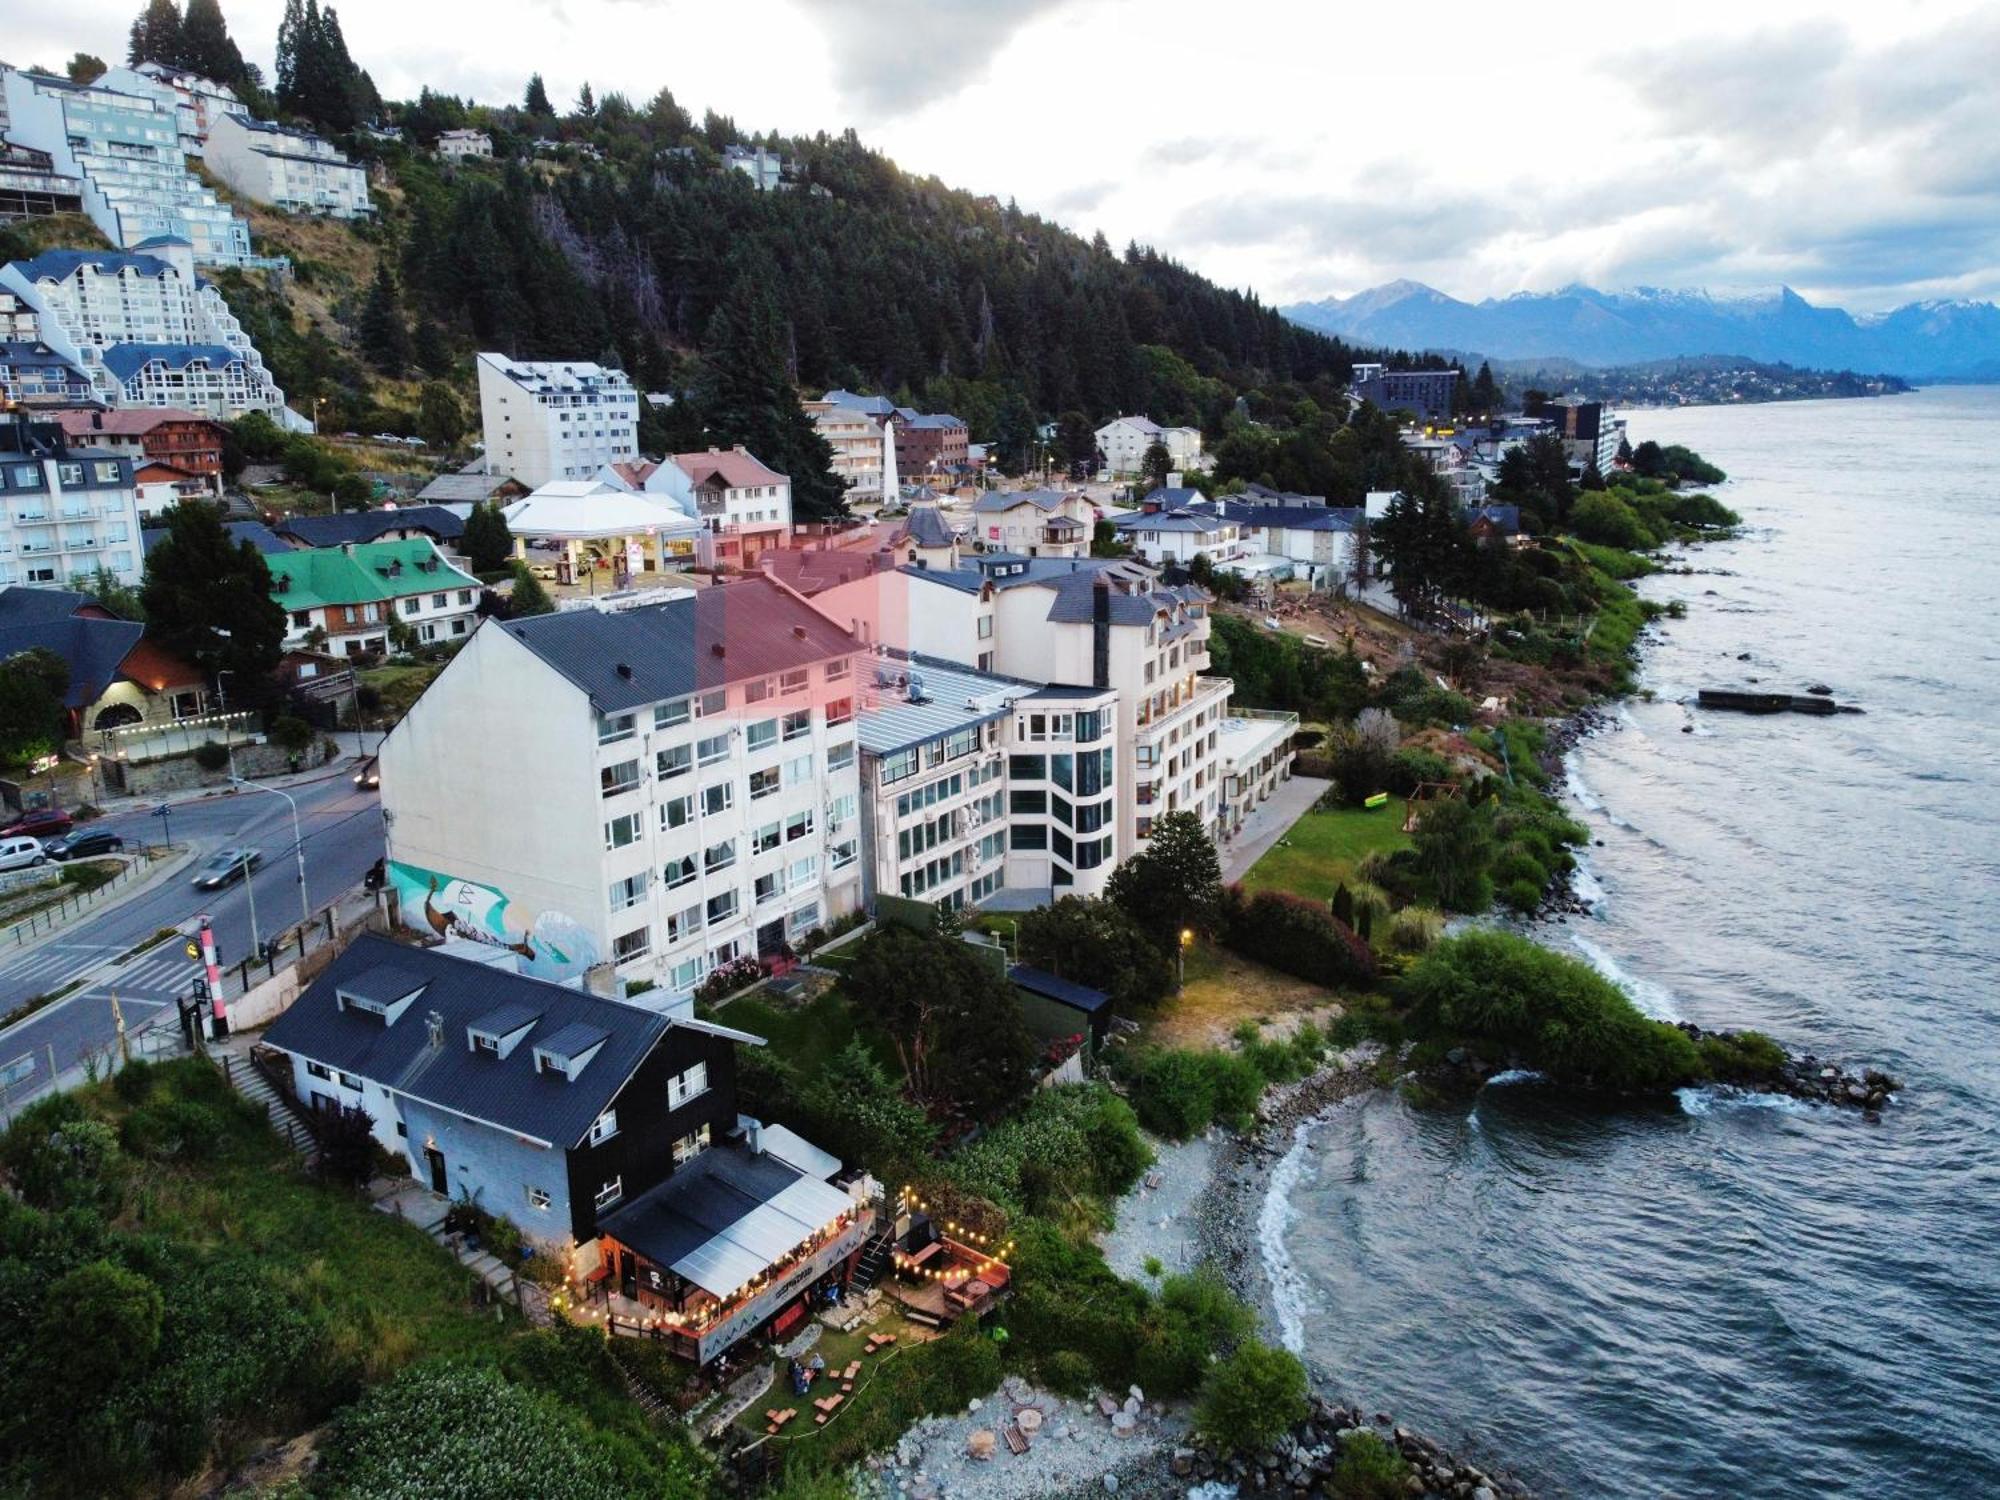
224 867
84 844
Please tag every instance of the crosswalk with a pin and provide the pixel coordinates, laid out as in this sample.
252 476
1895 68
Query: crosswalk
172 973
52 963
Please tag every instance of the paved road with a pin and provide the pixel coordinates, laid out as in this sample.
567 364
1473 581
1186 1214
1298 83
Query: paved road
342 831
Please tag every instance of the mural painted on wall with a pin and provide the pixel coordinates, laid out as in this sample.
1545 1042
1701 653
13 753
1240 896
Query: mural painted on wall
552 944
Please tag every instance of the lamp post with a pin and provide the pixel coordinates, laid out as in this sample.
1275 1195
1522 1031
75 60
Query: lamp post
1180 957
298 850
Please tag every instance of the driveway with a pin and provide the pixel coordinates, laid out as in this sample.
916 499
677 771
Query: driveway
1271 821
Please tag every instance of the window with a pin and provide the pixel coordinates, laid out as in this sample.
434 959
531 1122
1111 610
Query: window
674 761
712 749
1089 726
794 681
840 757
604 1127
840 856
677 812
1062 770
803 871
767 887
678 872
1028 804
719 856
609 1195
1027 767
763 783
798 724
803 920
758 691
628 892
685 974
761 735
688 1147
611 728
765 839
621 831
442 601
839 813
799 772
839 711
538 1198
623 777
319 1070
683 925
721 908
707 705
798 826
718 798
835 670
673 711
986 661
630 945
986 627
688 1084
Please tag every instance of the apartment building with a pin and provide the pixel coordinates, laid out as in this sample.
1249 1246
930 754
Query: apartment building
31 187
668 785
1255 746
33 373
1428 393
1034 523
290 169
1125 441
746 504
198 102
125 146
1164 535
163 436
1072 623
68 510
548 420
144 330
856 439
973 783
355 592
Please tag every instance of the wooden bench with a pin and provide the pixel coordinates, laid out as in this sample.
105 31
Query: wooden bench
1017 1440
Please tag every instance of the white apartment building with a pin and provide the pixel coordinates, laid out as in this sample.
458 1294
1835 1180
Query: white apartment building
125 146
1073 623
1124 440
546 420
198 102
289 169
457 145
667 786
67 511
1180 536
1256 749
972 783
145 330
1034 523
856 439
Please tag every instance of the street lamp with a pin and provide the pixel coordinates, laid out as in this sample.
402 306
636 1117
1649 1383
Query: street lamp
1180 955
298 847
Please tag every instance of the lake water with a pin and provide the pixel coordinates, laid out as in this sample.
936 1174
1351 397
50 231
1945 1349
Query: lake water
1728 1296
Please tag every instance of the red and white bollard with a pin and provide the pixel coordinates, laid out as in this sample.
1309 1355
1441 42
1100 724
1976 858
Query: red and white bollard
214 972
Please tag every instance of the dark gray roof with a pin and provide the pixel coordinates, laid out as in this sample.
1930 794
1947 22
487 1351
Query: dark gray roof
369 525
462 487
997 500
1041 982
926 526
699 1201
1169 520
47 618
256 533
1136 593
728 633
1173 497
508 1092
1291 517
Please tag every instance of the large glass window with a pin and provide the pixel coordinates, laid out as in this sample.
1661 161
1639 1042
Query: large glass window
762 734
1030 836
675 760
1027 767
1028 804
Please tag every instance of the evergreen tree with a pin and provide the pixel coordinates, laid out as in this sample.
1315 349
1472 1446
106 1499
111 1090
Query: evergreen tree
208 599
586 102
32 685
440 416
206 46
156 35
746 396
84 68
1076 443
317 80
537 101
487 542
1155 465
432 349
528 597
1014 440
1173 885
1485 390
385 337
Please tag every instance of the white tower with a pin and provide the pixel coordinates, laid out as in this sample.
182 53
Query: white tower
892 488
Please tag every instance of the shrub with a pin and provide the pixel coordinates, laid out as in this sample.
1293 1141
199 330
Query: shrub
211 756
1744 1057
1512 996
1195 1320
1080 1139
173 1129
1252 1398
1065 1372
1410 768
1295 935
1603 518
289 733
1521 895
1368 1469
1173 1091
346 1146
59 1158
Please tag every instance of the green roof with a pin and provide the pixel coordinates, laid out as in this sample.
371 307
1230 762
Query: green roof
366 573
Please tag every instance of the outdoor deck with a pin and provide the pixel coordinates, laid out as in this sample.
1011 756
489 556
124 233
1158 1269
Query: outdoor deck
951 1282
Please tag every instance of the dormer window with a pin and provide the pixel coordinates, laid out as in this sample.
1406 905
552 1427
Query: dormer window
485 1042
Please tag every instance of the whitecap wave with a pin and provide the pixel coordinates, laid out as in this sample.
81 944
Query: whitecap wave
1515 1075
1652 997
1583 880
1291 1294
1698 1102
1579 789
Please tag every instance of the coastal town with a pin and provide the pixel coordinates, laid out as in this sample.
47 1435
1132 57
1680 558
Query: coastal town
600 901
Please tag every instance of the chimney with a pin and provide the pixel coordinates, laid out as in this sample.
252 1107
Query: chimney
602 981
1100 632
434 1024
97 421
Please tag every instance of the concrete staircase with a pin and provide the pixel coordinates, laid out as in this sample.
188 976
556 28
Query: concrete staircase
284 1116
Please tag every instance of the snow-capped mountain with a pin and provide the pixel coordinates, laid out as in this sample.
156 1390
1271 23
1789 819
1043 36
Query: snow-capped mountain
1923 340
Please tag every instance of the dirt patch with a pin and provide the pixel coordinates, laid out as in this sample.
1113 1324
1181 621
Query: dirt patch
1223 991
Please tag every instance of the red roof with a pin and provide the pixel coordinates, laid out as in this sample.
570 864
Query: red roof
124 421
153 471
634 471
737 468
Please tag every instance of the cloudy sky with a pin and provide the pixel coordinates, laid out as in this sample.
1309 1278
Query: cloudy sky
1306 148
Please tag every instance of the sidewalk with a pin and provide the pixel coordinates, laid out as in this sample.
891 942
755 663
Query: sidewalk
14 942
353 746
1270 821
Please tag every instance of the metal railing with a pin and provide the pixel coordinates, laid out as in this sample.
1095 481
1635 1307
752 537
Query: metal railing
51 917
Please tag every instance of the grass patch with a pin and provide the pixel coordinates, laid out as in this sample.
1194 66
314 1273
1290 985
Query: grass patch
808 1037
1223 991
400 685
1323 848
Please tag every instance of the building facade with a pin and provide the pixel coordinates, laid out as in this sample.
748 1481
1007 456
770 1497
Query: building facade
1034 523
931 448
198 102
68 510
182 440
31 187
459 145
1176 536
1125 441
289 169
1256 749
680 783
545 420
144 330
124 146
356 592
1428 393
856 440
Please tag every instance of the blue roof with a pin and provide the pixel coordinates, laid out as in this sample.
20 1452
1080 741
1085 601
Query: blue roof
998 500
1040 982
127 360
1169 520
59 265
926 526
368 525
256 533
1292 517
509 1093
874 406
23 355
1173 498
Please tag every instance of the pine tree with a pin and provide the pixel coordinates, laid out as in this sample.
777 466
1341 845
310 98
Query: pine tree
84 68
487 542
440 416
586 102
385 338
206 46
528 596
208 597
537 102
432 349
1485 390
156 35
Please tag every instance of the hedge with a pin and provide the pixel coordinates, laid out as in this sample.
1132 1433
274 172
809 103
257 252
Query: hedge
1295 935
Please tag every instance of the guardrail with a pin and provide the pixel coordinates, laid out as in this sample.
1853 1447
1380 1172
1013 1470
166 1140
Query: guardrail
51 917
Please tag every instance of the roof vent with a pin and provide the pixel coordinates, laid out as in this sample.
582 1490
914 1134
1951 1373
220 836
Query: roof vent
434 1024
625 670
718 649
799 631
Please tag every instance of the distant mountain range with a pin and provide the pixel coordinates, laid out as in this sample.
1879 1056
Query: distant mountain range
1919 341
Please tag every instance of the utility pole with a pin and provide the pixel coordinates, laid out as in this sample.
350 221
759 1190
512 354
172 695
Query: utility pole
218 1005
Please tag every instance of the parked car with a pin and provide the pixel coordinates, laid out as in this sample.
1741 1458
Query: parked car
18 851
369 775
545 571
83 844
43 823
225 867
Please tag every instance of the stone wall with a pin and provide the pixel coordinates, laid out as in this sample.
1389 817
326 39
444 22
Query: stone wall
181 773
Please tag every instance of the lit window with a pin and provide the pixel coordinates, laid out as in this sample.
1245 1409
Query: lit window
538 1198
688 1147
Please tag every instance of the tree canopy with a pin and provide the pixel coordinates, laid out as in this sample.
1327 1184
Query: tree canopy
1174 884
208 599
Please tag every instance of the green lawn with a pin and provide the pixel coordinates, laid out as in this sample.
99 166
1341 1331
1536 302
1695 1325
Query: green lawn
806 1036
1323 848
